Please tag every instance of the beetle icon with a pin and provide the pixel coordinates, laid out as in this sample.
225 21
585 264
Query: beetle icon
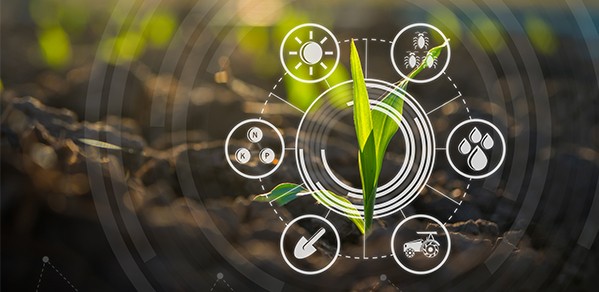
429 247
430 60
420 40
411 60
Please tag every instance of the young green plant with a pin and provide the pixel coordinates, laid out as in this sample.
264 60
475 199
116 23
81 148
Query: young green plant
374 131
367 150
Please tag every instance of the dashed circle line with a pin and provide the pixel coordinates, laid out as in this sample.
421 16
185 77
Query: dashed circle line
365 257
274 208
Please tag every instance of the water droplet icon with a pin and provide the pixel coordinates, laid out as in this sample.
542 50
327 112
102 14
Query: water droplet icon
464 147
477 160
487 142
475 135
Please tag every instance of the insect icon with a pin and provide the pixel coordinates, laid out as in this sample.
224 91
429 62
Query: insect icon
431 62
420 41
411 60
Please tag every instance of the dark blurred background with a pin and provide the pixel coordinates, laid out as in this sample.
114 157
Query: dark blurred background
146 202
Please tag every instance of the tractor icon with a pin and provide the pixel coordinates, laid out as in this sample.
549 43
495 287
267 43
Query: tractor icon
429 246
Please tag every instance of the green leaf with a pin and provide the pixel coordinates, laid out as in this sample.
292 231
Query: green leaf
362 115
55 46
434 52
159 27
367 157
354 215
282 194
287 192
384 127
369 176
374 131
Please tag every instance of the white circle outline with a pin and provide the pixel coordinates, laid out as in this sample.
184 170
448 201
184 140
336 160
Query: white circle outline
395 254
333 39
408 136
332 205
227 154
397 204
393 55
335 256
502 152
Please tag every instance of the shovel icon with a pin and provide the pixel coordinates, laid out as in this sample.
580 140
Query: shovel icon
305 247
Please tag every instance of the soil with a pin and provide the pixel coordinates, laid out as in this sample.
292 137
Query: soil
161 201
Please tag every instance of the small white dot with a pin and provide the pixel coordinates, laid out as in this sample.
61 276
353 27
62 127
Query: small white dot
219 276
45 259
383 277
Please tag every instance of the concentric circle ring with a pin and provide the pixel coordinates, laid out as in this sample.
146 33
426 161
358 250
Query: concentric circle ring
424 161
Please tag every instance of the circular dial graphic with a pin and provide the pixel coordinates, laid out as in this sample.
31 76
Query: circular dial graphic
332 112
326 150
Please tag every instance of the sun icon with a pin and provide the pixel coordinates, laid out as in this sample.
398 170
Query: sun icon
310 53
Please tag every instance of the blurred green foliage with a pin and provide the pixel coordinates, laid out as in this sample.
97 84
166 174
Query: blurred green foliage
488 34
159 27
60 23
262 43
55 46
445 20
155 29
125 47
55 21
541 35
256 41
72 15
